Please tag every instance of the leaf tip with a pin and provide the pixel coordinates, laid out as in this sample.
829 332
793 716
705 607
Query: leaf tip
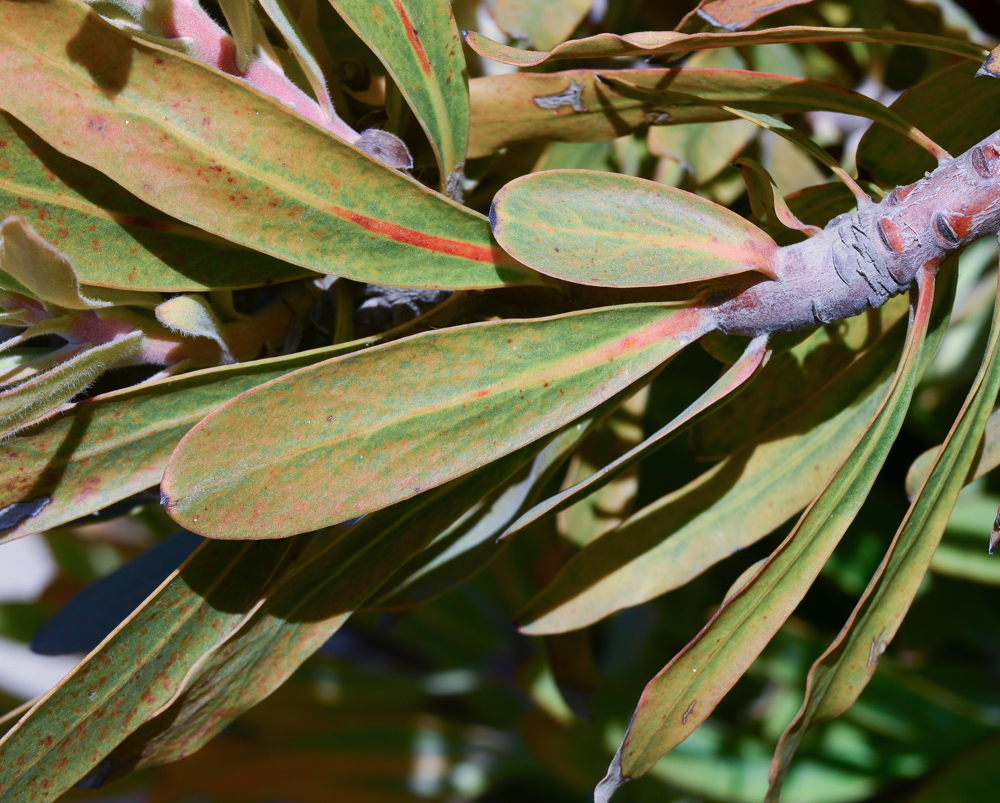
611 782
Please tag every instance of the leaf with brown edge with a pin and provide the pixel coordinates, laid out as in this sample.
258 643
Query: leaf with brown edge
841 673
735 15
342 443
686 691
991 66
134 671
650 43
419 44
331 208
612 230
769 477
114 239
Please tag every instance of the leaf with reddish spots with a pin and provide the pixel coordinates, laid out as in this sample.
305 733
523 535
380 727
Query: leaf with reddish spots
650 43
419 44
617 231
113 238
387 441
331 208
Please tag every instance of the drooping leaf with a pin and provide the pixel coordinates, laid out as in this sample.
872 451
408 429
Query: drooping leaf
112 238
117 444
617 231
649 43
741 371
32 399
331 208
768 479
418 42
841 673
735 15
953 107
135 671
686 691
339 445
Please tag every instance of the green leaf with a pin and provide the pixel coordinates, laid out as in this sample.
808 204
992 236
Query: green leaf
418 42
986 459
136 669
972 565
742 499
649 43
112 238
951 106
686 691
338 445
617 231
770 94
767 203
703 149
117 444
840 674
39 395
193 315
247 169
739 373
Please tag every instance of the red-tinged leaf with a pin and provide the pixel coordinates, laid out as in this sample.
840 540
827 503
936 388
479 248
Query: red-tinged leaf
773 474
342 441
419 44
135 670
113 238
841 673
649 43
215 153
735 15
617 231
687 690
114 445
741 371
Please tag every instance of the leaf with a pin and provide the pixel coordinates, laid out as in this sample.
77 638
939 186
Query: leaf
35 397
298 615
339 446
134 672
950 106
703 149
418 42
612 230
543 25
48 274
89 616
740 500
686 691
331 208
735 15
728 383
649 43
762 93
194 316
839 675
767 203
244 27
987 458
971 565
117 444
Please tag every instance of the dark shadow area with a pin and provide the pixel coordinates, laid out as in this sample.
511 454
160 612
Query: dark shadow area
104 53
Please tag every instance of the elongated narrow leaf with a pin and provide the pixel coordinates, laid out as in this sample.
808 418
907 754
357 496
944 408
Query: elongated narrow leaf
113 238
618 231
418 42
767 203
649 43
343 439
135 670
735 15
764 93
37 396
298 614
728 383
213 152
686 691
771 476
117 444
952 106
839 676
